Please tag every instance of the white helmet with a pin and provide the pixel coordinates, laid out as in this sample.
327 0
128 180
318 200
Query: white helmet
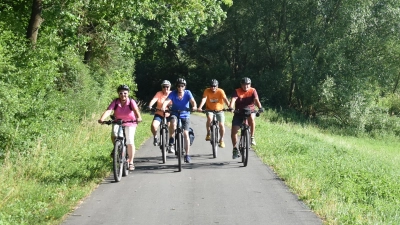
165 82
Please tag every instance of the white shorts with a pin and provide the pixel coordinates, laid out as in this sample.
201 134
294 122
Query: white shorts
129 133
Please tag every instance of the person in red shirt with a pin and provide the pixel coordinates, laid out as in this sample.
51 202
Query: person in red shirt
159 97
243 97
214 99
125 109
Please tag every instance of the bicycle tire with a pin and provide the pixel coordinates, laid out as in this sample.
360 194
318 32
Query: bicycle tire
117 162
241 147
246 147
125 170
163 143
178 149
213 141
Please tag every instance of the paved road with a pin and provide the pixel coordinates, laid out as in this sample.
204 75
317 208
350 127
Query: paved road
207 191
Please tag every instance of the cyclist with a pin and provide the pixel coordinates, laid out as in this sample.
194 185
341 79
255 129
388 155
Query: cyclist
126 109
159 97
214 99
180 101
243 97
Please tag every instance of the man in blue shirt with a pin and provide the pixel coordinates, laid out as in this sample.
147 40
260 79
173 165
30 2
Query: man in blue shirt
180 101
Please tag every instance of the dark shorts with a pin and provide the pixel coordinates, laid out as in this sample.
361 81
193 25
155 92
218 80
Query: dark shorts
160 118
237 120
185 122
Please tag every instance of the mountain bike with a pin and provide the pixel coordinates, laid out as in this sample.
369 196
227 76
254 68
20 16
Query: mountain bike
179 141
244 143
164 135
214 131
120 155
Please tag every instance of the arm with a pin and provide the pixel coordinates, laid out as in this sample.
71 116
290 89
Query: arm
257 103
106 114
233 100
154 100
137 114
203 100
165 104
226 101
194 105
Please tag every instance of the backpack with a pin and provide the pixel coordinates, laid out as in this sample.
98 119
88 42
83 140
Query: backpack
191 136
130 104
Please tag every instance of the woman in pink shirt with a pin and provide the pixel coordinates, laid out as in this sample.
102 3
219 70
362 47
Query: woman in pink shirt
158 116
125 109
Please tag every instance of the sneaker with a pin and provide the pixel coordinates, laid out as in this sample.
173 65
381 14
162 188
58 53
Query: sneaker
187 159
171 149
171 141
235 153
155 141
222 144
253 141
208 137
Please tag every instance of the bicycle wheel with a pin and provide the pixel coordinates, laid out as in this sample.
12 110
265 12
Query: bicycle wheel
117 162
246 147
178 150
213 141
241 147
163 143
125 156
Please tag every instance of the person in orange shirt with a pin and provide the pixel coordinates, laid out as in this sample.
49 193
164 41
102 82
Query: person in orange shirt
244 97
214 99
159 97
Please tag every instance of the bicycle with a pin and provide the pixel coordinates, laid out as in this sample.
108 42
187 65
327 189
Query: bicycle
179 144
164 135
120 155
214 131
244 143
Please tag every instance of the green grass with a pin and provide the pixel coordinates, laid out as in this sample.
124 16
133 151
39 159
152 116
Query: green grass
345 180
43 186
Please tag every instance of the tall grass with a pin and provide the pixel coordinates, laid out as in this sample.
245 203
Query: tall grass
46 183
344 179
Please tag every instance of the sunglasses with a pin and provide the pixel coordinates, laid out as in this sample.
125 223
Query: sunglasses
123 93
165 86
213 86
180 86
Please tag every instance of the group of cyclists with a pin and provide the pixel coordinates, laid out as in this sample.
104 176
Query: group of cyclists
169 103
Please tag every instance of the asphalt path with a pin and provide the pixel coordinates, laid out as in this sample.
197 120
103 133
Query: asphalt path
207 191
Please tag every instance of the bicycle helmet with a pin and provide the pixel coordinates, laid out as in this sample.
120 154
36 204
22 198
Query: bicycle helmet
213 82
165 82
123 87
245 80
181 81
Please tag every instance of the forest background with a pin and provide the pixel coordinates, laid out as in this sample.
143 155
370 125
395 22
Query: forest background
332 63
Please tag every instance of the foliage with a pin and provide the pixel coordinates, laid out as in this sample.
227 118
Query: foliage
43 186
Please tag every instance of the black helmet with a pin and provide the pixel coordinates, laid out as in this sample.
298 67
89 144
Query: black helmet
245 80
213 82
123 87
181 81
165 82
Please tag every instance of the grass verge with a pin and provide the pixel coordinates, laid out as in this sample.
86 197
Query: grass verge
43 185
345 180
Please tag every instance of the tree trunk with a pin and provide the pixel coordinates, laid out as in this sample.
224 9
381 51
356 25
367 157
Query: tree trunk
35 21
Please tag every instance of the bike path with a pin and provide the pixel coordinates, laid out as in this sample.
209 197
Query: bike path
207 191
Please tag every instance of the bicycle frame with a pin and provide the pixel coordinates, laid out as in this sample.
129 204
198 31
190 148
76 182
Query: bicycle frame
179 141
164 134
244 142
120 156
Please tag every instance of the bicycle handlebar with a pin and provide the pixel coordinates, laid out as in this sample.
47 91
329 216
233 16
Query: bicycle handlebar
214 111
119 122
